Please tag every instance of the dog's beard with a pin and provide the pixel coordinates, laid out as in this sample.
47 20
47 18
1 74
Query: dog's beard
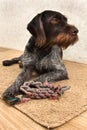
64 40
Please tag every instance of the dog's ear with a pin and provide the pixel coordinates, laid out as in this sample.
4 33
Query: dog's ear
35 27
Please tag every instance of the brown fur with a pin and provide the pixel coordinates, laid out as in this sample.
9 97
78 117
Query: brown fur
64 40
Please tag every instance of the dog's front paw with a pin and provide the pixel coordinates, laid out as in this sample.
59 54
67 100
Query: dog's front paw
7 94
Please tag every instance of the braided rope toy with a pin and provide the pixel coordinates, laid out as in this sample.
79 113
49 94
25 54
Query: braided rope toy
37 90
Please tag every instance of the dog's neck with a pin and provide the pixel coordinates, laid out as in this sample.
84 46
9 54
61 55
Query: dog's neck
41 52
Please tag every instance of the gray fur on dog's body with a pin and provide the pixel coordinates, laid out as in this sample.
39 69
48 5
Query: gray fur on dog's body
51 63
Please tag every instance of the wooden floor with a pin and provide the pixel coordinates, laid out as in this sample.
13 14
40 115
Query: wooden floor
13 119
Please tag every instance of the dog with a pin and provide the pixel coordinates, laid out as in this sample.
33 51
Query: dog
43 53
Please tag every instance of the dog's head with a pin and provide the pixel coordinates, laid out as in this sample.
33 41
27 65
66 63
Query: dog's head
50 27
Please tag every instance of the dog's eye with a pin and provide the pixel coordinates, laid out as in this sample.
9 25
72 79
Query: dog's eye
54 21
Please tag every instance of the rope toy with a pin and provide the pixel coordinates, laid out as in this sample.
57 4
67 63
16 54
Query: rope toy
37 90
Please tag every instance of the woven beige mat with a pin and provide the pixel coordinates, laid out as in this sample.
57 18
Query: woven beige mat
51 113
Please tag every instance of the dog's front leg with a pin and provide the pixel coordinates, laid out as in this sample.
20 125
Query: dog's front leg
53 76
14 89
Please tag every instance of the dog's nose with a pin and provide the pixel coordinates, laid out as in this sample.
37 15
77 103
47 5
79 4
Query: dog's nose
74 30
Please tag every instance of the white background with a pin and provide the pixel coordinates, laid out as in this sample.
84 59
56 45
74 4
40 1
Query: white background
15 14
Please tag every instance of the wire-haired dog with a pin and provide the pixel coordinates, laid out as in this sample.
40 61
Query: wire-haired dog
43 53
